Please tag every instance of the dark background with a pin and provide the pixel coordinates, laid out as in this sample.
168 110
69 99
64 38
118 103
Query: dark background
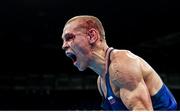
36 75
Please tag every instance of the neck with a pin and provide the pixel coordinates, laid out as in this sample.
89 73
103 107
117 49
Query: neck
98 62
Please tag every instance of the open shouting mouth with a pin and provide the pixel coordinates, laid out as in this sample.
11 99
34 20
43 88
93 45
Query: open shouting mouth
72 56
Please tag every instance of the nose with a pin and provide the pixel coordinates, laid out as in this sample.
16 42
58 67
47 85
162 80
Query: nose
65 46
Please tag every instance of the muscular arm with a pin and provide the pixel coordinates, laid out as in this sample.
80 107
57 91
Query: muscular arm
136 98
126 74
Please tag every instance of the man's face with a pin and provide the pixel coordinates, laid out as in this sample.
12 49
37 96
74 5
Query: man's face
76 45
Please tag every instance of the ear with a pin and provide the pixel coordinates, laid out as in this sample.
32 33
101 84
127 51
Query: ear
92 36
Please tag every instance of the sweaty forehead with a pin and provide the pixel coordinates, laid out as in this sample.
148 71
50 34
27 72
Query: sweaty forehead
72 27
67 30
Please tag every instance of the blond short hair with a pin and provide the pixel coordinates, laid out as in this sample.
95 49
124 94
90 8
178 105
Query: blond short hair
88 22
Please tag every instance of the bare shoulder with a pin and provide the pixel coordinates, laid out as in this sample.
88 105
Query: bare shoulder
124 59
125 68
125 54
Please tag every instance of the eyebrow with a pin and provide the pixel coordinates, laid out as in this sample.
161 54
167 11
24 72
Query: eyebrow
68 36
